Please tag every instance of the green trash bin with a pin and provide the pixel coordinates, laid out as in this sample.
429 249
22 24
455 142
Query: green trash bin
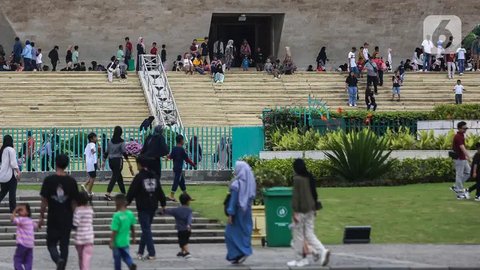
131 65
278 216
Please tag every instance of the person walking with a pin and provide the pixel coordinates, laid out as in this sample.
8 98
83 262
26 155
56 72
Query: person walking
45 153
154 148
39 60
59 193
183 224
450 57
122 226
75 55
427 46
115 153
24 236
351 87
352 65
195 150
396 81
84 236
475 174
372 75
69 58
229 54
461 52
304 207
9 172
238 232
128 50
140 51
147 191
27 56
179 156
461 159
370 99
29 151
53 55
17 51
91 164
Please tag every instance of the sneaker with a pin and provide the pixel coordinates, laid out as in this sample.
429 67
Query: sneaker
82 186
61 264
350 105
316 257
242 259
325 257
180 254
149 258
466 193
461 197
303 262
292 263
133 267
107 197
477 198
187 255
452 188
139 256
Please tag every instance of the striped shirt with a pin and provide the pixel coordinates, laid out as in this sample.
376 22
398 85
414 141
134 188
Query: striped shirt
25 231
83 219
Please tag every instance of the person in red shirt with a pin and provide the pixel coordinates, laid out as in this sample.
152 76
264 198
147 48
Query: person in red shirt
154 49
29 151
450 64
462 167
128 50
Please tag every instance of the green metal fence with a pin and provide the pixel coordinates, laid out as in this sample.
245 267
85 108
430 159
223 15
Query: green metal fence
212 151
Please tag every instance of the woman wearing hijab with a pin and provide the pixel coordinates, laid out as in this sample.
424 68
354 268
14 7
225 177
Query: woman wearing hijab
154 148
229 54
69 57
223 154
115 153
304 205
195 151
238 232
9 172
140 51
322 58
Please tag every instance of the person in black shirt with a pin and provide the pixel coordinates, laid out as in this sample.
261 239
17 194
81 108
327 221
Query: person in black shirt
475 174
147 123
154 148
259 59
204 49
59 193
53 55
351 87
370 99
163 54
179 155
147 192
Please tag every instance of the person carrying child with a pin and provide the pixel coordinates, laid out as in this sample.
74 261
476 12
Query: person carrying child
25 237
179 155
91 163
475 175
183 224
122 227
83 225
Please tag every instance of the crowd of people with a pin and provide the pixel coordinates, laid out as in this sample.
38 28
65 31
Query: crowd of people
69 208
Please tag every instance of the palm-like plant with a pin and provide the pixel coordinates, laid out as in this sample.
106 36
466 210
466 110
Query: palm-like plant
359 156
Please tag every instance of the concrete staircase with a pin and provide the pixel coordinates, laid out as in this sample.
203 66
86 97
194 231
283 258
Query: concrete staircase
70 99
163 228
243 96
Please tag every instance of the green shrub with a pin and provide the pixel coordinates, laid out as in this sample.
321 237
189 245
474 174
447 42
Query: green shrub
450 111
279 172
359 156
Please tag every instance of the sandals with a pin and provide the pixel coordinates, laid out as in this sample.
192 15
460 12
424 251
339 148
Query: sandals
107 197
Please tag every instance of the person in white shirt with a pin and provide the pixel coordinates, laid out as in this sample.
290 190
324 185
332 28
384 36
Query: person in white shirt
352 65
427 46
39 60
365 52
461 59
458 89
389 59
9 172
91 163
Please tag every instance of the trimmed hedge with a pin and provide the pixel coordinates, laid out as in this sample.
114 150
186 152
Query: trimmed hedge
279 172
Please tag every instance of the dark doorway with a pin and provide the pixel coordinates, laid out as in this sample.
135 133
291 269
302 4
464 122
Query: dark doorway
260 30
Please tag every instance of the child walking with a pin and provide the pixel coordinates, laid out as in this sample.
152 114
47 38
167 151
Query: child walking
21 216
91 163
179 155
396 85
245 63
82 222
370 99
183 224
458 89
122 226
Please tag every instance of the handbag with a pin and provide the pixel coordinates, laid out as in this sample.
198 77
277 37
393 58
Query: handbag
452 154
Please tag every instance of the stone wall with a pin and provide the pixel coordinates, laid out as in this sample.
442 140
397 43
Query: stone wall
98 27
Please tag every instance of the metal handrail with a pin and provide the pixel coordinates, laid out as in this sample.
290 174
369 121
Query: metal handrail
170 93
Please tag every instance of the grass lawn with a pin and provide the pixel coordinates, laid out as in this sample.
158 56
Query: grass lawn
423 213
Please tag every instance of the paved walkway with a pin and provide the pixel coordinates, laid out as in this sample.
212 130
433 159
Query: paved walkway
212 256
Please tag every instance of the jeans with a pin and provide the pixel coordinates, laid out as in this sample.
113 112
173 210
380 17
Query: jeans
355 70
58 237
9 187
380 77
116 165
85 253
450 69
303 233
23 258
426 61
178 180
373 80
458 98
45 163
352 95
461 65
462 173
145 218
120 254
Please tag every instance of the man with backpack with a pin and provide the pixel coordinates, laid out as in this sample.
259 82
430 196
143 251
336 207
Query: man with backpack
372 75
